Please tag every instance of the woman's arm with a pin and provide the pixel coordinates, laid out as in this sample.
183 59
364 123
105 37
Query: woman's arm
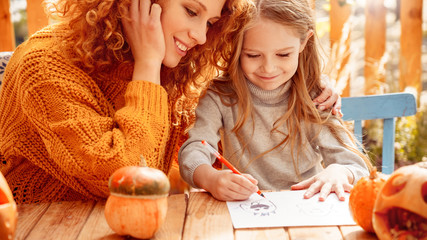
329 98
85 138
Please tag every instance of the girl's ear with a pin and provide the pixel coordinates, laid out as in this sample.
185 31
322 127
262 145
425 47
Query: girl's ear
310 34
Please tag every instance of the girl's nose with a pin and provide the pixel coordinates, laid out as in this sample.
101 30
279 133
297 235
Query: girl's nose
199 34
268 65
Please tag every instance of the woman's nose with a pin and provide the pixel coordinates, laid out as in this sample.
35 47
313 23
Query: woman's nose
198 33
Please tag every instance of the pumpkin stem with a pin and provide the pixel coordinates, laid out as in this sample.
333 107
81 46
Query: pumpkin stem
373 174
142 162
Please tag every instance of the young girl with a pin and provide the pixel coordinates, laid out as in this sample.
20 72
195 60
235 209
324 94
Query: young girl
261 110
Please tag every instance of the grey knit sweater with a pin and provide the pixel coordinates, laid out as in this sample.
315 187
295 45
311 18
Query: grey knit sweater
275 170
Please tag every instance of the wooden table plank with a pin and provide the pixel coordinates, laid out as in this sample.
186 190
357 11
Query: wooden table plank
172 227
199 214
356 233
62 219
96 226
28 217
261 233
207 218
315 233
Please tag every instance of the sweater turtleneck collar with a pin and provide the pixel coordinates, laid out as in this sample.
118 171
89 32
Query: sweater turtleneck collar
270 97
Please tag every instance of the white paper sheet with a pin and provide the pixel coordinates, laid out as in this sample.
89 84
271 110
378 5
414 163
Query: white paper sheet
289 208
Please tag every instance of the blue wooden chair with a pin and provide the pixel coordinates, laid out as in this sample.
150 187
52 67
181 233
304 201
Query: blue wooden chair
384 106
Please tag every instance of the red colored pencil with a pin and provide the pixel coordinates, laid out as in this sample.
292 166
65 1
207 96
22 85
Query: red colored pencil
223 160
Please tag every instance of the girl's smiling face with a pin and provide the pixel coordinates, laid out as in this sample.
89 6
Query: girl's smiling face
270 53
185 24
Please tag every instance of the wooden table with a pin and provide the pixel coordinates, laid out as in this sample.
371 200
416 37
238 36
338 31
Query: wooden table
190 216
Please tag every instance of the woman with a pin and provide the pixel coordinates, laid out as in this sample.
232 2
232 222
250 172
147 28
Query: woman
111 81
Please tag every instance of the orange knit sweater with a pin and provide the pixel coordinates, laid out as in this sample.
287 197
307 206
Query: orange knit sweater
63 132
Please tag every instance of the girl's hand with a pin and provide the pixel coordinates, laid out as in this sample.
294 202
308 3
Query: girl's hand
144 33
335 178
225 185
228 186
329 98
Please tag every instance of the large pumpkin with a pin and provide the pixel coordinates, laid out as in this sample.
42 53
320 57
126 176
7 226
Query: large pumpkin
8 212
363 196
137 204
400 210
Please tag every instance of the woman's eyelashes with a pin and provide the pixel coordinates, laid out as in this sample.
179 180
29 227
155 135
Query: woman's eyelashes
193 13
190 12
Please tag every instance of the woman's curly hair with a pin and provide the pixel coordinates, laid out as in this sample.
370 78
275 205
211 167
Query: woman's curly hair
98 44
96 32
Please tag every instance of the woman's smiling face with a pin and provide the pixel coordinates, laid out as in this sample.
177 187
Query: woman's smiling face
185 24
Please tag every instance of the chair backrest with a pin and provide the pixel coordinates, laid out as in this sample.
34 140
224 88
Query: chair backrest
384 106
4 59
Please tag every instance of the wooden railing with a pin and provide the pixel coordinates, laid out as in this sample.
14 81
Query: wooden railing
36 19
375 38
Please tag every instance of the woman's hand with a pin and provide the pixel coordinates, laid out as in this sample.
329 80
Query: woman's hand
225 185
144 33
329 98
335 178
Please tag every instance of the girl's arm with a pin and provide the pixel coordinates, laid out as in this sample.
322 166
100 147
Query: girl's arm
344 167
196 161
225 185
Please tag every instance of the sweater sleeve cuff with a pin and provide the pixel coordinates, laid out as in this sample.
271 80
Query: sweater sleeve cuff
192 160
146 95
358 173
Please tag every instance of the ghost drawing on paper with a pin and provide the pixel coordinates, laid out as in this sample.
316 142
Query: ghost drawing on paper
315 209
259 207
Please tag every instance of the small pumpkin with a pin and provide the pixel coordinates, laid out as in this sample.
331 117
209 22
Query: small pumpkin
137 204
400 210
8 211
363 196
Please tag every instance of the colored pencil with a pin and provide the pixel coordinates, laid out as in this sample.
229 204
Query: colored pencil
225 162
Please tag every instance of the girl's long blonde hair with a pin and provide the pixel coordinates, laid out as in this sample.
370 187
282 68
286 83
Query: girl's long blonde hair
98 44
305 84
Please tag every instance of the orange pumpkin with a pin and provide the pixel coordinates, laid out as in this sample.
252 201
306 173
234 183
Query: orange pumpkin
137 204
362 198
400 211
8 211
